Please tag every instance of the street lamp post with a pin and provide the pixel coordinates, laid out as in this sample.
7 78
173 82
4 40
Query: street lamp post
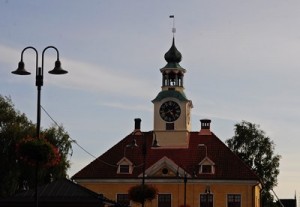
144 154
39 78
184 197
207 190
155 144
39 83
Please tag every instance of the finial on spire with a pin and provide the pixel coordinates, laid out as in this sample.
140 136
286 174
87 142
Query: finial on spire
173 29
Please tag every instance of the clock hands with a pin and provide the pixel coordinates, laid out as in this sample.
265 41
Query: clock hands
170 111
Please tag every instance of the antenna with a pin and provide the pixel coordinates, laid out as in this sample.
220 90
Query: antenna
173 29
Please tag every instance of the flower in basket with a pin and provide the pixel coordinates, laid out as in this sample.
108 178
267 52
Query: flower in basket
39 151
142 193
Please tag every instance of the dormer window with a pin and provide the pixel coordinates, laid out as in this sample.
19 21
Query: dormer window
206 169
206 166
124 169
125 166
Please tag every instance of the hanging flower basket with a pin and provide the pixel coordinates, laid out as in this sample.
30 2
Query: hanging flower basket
140 193
39 151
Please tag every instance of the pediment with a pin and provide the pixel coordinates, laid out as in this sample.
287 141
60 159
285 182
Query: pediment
206 161
206 166
125 166
165 167
124 161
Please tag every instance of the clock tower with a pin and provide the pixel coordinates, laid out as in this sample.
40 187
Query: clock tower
171 107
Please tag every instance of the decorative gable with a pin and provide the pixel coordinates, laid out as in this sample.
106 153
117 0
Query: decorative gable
125 166
165 167
206 166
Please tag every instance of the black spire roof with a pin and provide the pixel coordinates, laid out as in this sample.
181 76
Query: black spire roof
173 57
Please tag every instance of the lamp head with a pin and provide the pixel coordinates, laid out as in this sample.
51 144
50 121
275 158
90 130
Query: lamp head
21 69
57 69
132 144
207 190
155 143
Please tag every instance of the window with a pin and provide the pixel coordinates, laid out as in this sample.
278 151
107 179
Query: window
206 200
206 169
206 166
123 199
169 126
234 200
164 200
124 168
165 171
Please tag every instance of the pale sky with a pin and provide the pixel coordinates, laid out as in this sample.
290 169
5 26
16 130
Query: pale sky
242 60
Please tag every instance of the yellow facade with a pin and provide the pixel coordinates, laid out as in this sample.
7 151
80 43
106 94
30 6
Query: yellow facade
248 190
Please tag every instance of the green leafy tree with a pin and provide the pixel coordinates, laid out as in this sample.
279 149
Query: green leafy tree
257 150
16 175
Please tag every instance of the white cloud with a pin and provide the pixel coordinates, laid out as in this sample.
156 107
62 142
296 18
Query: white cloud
120 105
84 76
89 77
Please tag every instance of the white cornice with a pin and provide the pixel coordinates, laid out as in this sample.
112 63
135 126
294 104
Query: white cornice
167 181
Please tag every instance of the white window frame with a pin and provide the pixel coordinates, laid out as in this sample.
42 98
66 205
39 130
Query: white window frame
206 161
235 194
125 162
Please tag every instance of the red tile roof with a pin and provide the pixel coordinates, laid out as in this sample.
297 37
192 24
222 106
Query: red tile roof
227 165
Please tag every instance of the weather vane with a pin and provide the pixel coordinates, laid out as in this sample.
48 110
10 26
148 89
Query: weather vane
173 29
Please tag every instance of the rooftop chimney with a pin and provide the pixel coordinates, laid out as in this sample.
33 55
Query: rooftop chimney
137 126
205 127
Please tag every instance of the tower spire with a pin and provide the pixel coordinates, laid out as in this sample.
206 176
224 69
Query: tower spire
173 28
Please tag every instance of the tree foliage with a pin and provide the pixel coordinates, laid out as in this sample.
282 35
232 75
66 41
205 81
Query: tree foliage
257 150
16 175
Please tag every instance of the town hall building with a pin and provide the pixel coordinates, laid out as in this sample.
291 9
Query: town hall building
188 168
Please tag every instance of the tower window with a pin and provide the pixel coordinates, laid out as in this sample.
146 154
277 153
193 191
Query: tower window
165 79
169 126
173 79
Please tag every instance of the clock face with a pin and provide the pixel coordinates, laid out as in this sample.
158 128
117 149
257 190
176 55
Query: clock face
169 111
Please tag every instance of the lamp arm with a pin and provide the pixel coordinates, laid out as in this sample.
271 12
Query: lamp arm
57 54
36 57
